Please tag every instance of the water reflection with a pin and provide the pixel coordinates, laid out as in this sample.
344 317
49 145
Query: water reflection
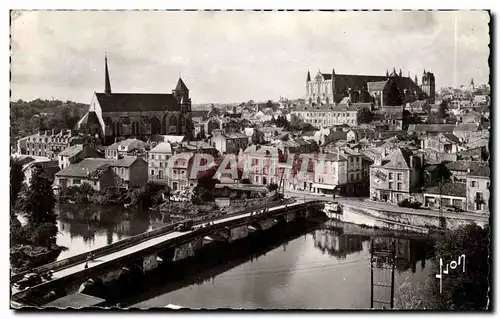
326 267
86 227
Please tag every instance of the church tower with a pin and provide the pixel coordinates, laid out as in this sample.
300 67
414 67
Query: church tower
107 82
429 86
308 88
181 94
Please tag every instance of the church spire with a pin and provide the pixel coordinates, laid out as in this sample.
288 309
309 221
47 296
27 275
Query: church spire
308 76
107 84
416 80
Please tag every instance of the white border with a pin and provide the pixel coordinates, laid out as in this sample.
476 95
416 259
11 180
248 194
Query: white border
190 4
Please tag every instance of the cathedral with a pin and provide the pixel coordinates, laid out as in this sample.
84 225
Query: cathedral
137 115
390 90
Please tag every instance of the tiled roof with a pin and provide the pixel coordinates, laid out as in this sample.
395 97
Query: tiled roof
458 165
163 147
448 189
452 137
235 135
479 170
125 161
445 128
72 150
376 86
85 167
137 102
467 127
400 158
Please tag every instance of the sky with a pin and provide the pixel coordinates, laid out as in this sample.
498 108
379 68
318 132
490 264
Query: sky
229 57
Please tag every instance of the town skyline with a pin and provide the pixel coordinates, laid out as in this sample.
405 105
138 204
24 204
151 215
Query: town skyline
221 62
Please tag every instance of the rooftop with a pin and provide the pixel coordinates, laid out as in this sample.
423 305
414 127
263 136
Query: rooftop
448 189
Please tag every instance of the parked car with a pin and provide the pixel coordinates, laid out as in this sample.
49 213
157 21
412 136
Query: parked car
29 280
454 209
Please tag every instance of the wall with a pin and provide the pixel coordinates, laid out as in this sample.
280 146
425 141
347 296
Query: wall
239 232
480 187
373 217
138 175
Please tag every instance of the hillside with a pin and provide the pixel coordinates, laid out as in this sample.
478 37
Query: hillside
28 118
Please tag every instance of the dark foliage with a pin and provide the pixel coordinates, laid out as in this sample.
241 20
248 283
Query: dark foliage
464 290
16 179
365 116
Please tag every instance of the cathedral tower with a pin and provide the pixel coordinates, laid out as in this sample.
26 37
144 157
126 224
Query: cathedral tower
429 86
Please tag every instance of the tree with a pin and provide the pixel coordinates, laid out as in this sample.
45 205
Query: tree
364 116
443 109
39 201
16 179
37 205
469 289
272 187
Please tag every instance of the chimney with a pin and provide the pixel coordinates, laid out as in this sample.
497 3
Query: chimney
412 162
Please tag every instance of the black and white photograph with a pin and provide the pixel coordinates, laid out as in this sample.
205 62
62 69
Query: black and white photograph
250 160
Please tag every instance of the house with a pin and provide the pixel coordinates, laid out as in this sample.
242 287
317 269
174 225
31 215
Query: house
466 131
128 147
260 162
179 173
131 171
424 130
99 173
395 177
356 181
76 153
330 173
443 143
92 171
478 189
446 195
355 134
50 168
480 100
158 161
459 169
229 143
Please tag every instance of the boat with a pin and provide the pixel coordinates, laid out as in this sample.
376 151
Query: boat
333 210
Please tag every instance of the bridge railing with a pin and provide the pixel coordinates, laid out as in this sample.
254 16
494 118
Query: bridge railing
131 241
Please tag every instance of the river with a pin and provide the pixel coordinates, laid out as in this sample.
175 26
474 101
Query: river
324 267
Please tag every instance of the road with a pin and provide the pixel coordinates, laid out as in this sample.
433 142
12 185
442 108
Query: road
146 244
362 202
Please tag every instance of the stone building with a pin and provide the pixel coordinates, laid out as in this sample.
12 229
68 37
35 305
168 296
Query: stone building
389 90
141 115
395 177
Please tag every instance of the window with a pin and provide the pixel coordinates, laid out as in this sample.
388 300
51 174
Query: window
399 186
399 176
390 175
161 164
76 181
357 159
487 184
473 183
398 197
152 172
152 156
123 171
390 185
95 183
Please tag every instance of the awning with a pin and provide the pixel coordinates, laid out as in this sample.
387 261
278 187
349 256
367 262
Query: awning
324 186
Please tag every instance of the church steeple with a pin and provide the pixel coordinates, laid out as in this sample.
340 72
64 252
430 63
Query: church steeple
472 83
107 82
416 80
308 77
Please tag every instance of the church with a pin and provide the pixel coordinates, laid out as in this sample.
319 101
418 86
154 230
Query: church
390 90
137 115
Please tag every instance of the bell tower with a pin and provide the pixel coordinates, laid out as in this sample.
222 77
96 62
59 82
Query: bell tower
429 86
